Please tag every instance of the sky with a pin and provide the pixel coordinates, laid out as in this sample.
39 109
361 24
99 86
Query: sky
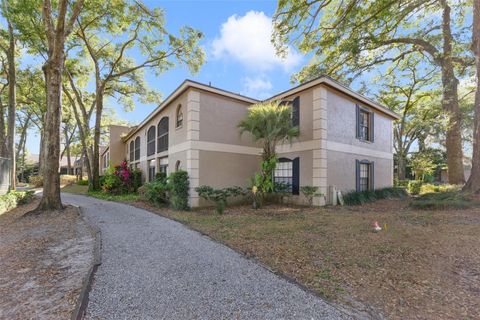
239 55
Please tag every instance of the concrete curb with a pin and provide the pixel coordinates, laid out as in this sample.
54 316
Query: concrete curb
82 300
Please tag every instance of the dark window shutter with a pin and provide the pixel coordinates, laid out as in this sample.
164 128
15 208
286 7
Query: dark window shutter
296 176
372 126
372 175
296 112
357 175
357 121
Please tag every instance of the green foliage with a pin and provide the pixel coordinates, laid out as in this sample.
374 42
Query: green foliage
400 183
82 182
427 163
155 192
310 192
179 190
219 196
270 123
414 187
358 198
443 201
10 200
161 176
431 188
36 181
137 179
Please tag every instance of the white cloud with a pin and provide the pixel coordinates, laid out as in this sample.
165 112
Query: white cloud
247 40
257 87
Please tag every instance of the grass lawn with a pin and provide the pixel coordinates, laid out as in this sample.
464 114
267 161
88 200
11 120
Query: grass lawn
424 265
76 189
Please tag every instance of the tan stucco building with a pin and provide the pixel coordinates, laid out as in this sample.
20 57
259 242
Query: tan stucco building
345 140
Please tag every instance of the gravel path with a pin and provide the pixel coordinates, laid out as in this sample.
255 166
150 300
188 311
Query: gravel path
155 268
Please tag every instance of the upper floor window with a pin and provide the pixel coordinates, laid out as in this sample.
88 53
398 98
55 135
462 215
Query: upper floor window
151 141
137 148
179 122
295 105
365 124
132 151
162 140
364 175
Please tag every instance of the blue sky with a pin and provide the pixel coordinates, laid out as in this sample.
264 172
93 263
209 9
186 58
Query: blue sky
240 57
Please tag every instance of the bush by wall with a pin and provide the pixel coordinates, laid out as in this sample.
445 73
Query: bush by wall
414 187
66 179
36 181
179 186
10 200
357 198
137 179
219 196
156 192
121 179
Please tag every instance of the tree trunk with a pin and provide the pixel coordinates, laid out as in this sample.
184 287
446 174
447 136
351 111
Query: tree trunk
3 136
473 183
41 152
11 105
96 140
401 166
51 179
453 141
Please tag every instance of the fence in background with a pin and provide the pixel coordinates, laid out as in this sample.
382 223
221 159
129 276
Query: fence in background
5 165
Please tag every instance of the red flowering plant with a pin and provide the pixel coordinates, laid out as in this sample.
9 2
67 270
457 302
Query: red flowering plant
118 180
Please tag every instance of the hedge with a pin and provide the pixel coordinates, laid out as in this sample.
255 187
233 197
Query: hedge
10 200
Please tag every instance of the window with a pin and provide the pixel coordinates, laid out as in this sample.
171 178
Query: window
365 124
177 166
106 159
151 170
137 148
365 175
179 116
162 130
295 104
287 173
163 165
132 151
151 141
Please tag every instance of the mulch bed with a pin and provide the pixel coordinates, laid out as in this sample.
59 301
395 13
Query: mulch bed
43 261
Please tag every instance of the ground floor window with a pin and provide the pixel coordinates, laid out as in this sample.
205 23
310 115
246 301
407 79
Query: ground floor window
365 175
163 165
286 175
151 170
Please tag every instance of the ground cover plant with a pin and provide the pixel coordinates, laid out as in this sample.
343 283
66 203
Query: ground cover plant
362 197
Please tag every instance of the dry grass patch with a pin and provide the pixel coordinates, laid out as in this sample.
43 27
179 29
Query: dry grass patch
426 265
43 259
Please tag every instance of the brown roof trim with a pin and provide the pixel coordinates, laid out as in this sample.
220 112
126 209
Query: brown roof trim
180 90
340 87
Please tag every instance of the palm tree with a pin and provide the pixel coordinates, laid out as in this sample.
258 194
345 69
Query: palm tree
271 123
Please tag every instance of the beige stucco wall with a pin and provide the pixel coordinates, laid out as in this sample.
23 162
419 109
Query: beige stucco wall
117 148
219 119
341 123
341 170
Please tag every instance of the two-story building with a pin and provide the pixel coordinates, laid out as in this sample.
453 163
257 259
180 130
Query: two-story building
345 139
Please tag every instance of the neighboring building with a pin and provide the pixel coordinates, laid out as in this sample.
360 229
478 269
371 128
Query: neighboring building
114 153
345 139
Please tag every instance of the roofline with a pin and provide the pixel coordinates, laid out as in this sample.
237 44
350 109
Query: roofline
338 86
185 85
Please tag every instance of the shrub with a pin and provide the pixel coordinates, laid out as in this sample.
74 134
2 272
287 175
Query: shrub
444 200
155 192
414 187
430 188
282 189
161 176
101 180
13 198
400 183
310 192
137 179
179 187
66 179
120 180
219 196
82 182
357 198
36 181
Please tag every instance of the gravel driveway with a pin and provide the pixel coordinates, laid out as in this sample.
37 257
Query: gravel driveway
155 268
